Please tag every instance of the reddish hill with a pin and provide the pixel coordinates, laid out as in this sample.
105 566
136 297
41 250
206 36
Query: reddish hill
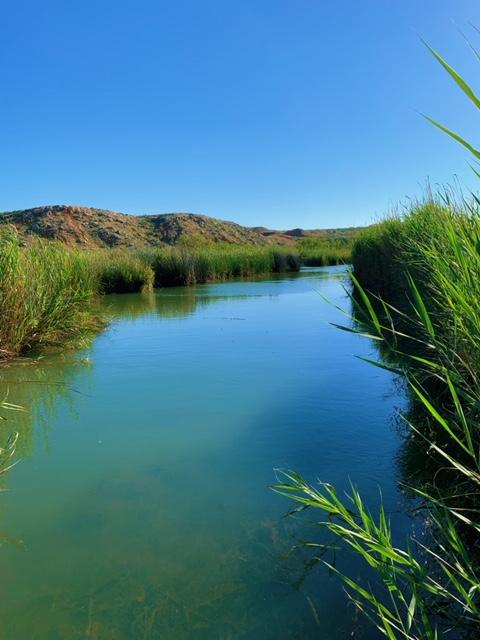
89 227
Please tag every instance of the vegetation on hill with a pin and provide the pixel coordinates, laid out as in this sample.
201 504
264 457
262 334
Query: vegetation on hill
80 226
98 228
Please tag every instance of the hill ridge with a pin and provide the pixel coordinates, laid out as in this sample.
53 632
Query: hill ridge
75 225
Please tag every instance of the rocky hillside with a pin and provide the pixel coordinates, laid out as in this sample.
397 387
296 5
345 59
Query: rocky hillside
83 226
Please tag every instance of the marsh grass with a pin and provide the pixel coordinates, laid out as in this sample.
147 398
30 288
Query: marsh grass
120 271
47 290
45 295
179 266
320 252
430 585
417 294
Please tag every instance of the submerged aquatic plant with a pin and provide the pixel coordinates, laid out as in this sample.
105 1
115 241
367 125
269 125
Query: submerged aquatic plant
7 451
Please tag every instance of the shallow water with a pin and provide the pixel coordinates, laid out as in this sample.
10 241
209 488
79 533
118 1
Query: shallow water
141 507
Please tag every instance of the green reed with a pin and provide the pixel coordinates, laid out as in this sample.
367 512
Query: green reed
120 271
47 289
45 295
320 252
178 266
427 587
416 286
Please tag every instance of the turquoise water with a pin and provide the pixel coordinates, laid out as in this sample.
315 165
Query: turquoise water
141 506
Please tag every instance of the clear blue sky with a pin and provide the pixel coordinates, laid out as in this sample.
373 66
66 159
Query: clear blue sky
272 112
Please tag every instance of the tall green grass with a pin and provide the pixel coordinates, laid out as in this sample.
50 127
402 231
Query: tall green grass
47 290
320 252
417 294
429 326
436 246
45 295
179 266
120 271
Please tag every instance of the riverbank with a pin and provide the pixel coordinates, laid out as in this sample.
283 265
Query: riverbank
416 293
47 291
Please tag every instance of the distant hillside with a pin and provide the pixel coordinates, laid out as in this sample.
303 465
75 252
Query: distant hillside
87 227
345 233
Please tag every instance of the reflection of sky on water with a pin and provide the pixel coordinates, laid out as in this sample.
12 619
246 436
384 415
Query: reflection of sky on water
143 495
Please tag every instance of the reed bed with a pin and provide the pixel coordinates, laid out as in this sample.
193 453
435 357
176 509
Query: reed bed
45 295
416 292
120 271
320 252
180 266
47 289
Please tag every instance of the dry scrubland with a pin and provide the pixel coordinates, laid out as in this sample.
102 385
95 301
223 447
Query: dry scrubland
98 228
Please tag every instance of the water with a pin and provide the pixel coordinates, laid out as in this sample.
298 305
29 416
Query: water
141 508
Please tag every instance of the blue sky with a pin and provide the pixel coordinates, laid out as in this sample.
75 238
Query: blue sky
281 113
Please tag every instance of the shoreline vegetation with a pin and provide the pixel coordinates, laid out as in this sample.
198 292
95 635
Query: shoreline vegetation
48 290
416 294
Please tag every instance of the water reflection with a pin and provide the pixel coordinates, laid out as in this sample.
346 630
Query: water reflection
38 386
181 302
143 495
170 303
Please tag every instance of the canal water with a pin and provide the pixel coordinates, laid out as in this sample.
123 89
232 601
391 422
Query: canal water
141 507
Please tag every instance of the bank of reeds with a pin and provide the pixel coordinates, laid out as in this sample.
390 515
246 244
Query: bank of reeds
47 289
427 320
179 266
120 271
416 293
45 295
320 252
